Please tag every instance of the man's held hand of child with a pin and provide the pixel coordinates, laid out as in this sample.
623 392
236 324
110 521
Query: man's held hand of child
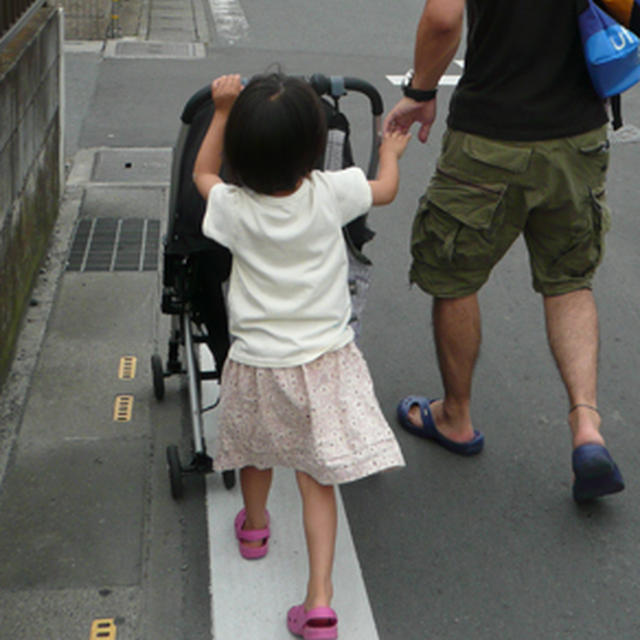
408 111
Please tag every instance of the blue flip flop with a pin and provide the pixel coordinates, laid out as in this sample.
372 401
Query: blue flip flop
596 474
429 431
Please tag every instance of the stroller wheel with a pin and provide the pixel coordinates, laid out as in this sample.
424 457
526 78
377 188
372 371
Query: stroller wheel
175 472
158 376
229 479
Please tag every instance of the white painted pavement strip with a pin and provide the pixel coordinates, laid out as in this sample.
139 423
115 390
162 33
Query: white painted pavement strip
250 598
230 21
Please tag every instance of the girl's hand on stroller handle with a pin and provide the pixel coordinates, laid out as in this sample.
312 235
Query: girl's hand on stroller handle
225 90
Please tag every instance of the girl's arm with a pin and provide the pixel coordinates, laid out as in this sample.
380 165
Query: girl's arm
385 187
206 170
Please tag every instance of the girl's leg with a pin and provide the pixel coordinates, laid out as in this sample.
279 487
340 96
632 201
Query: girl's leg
255 484
320 527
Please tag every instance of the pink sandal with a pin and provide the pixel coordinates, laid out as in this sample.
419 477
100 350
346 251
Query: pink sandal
320 623
251 535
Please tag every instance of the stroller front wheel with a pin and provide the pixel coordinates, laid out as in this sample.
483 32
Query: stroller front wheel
229 479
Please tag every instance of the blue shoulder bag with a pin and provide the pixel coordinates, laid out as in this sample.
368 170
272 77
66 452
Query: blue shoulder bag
611 51
609 32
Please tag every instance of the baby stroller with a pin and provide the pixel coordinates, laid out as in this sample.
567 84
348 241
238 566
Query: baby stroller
196 268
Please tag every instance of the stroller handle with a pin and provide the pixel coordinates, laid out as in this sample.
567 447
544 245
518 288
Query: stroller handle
335 86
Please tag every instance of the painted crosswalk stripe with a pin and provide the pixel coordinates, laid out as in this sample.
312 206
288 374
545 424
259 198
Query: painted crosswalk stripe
250 599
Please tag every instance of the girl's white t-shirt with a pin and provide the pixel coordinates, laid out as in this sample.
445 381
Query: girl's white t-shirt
288 297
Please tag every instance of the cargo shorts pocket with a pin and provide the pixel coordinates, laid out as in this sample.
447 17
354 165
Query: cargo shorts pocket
457 222
506 157
586 250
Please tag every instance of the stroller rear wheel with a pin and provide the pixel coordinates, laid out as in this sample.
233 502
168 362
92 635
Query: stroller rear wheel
158 376
175 472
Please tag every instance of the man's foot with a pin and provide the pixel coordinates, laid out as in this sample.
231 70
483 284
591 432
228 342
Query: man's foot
415 415
584 421
596 474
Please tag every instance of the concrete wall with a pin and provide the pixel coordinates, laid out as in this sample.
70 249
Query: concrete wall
31 175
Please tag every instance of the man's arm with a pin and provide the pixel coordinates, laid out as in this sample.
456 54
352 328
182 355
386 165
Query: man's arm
437 40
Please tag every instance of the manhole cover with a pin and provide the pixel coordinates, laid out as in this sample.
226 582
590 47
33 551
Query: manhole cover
132 165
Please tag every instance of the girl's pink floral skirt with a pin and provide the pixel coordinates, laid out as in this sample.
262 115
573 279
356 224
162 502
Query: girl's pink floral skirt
321 417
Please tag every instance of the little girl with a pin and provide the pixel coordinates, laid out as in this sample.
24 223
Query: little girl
295 389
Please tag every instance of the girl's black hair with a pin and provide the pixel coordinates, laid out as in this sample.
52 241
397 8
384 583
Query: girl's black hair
275 133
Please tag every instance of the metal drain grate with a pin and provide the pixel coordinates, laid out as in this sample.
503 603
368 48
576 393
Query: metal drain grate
115 244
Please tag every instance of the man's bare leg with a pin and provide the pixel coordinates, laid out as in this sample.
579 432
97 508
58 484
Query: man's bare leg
572 329
457 334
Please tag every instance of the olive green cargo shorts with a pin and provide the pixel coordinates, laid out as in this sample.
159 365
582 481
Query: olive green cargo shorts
484 193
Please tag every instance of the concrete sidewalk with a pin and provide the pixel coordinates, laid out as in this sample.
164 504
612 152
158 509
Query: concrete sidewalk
91 542
169 20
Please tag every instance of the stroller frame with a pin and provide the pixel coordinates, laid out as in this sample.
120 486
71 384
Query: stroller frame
178 300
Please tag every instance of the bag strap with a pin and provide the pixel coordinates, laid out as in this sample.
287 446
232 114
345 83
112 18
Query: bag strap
616 111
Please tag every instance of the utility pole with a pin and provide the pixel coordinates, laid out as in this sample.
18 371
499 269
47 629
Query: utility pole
114 30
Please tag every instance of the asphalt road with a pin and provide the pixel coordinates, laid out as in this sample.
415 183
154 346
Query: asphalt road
449 548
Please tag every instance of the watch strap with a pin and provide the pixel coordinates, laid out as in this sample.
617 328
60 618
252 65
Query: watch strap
419 95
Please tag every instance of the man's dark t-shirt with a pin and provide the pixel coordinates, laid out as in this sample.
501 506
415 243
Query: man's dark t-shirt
525 76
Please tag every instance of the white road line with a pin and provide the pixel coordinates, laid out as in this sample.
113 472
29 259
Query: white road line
230 21
447 80
250 599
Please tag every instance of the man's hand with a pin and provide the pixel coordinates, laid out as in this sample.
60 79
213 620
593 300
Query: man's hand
225 90
408 111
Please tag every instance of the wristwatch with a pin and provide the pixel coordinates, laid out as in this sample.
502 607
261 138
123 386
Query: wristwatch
419 95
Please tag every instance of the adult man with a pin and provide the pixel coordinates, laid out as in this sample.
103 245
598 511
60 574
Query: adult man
526 151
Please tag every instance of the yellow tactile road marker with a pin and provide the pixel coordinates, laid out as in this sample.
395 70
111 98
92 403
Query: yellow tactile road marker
127 368
123 408
103 629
